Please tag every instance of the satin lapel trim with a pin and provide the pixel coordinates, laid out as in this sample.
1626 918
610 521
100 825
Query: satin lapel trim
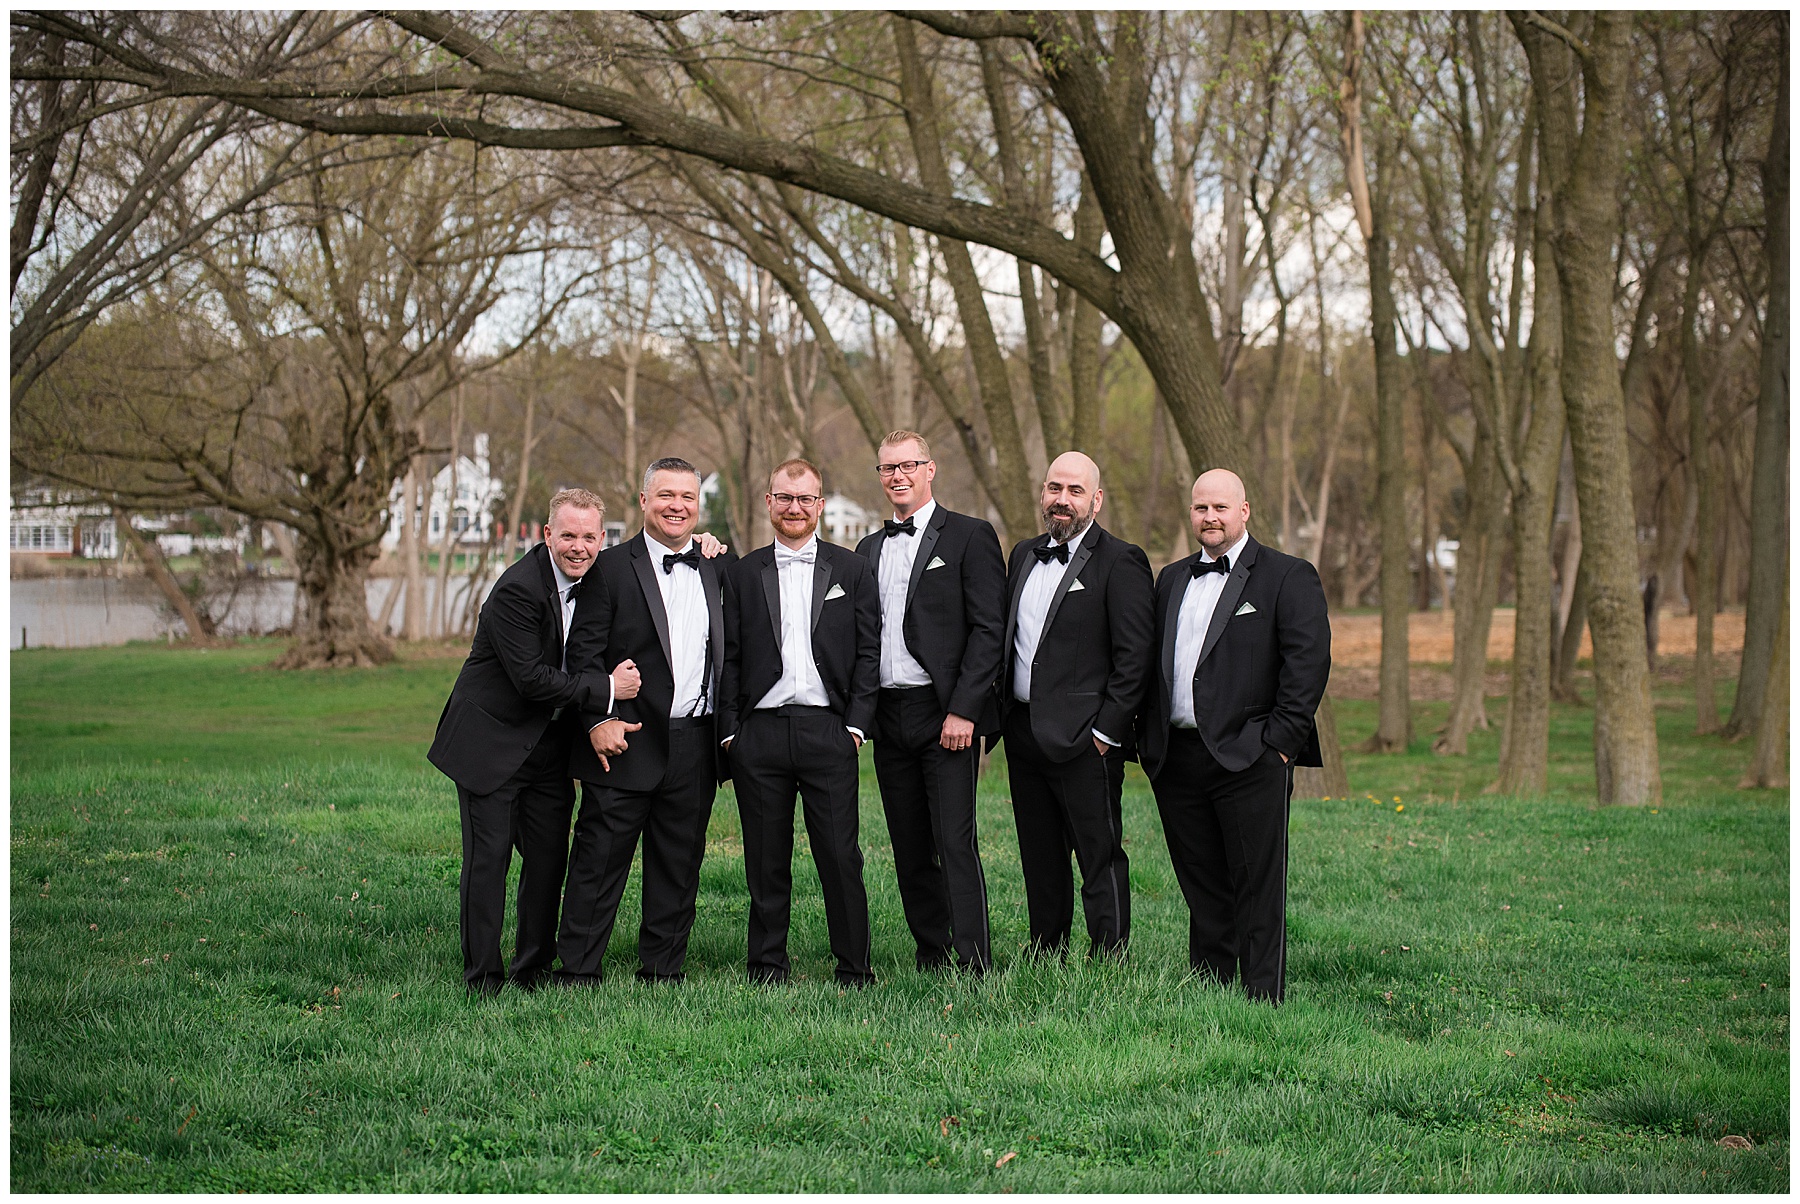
870 549
1026 563
821 587
555 594
715 623
646 575
1228 601
771 580
1171 617
927 541
1076 563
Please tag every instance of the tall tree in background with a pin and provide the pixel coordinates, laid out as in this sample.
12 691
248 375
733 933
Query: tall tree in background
1578 77
1768 486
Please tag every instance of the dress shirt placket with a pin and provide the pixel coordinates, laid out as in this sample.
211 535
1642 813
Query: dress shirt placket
1193 621
898 555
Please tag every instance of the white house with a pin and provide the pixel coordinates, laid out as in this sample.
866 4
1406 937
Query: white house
470 514
47 522
846 522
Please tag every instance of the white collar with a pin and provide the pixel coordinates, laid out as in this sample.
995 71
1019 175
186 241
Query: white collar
1236 550
810 547
651 542
922 516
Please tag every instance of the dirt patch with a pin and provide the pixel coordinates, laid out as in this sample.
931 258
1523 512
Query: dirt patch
1431 636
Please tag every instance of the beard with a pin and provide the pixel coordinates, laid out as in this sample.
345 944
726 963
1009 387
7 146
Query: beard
1063 521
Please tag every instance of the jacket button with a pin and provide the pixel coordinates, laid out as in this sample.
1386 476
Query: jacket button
528 748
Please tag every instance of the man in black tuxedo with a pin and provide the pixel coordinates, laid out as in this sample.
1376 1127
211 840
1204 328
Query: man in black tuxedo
655 601
504 738
943 606
802 659
1244 649
1077 648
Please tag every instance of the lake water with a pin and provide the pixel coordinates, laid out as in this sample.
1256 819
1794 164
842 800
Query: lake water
84 612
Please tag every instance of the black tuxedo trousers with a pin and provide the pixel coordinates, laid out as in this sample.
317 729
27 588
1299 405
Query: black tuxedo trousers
775 754
1228 837
928 795
671 817
1064 807
529 812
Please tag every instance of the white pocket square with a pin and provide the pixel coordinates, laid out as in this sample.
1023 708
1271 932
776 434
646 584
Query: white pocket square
1077 585
1245 609
937 562
836 591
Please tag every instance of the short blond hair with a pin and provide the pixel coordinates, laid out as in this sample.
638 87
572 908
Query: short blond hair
581 499
895 438
793 468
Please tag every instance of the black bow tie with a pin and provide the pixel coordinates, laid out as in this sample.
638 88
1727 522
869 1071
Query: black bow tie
575 589
1048 553
890 528
1222 566
691 558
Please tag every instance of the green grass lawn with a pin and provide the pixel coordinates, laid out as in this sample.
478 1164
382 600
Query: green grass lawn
235 966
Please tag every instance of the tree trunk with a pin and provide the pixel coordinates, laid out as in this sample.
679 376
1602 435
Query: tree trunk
441 625
1393 730
200 632
1768 479
1585 164
332 626
1525 751
513 543
1769 763
1562 688
413 621
1477 589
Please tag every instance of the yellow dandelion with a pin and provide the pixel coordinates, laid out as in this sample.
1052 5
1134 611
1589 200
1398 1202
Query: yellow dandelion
1400 808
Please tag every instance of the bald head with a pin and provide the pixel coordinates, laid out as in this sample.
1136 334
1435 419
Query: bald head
1219 512
1071 496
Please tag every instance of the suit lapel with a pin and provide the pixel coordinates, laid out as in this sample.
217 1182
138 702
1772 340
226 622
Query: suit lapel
1024 562
1171 614
549 579
1077 561
870 549
646 575
821 584
927 540
771 581
1228 601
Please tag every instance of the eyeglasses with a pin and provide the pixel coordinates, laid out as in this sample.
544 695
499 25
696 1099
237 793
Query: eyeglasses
806 500
905 466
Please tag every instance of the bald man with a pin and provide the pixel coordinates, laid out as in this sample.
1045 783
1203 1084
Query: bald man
1077 654
1244 649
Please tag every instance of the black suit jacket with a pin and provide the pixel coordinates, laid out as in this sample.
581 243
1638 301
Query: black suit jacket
1094 651
1261 673
846 635
513 682
619 616
955 610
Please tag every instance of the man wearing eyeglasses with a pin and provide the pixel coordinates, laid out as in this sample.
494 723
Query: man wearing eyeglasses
943 610
802 666
1077 649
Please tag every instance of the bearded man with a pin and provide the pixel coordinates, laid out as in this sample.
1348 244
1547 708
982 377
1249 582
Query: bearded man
1077 649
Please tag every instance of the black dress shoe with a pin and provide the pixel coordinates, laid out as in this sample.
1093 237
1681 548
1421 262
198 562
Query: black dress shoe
932 959
855 982
485 988
768 976
564 978
671 979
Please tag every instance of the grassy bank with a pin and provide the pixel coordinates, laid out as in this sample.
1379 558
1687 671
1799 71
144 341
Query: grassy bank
235 965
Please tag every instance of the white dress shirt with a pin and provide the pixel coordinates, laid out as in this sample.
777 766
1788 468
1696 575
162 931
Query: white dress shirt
684 604
898 555
1034 608
1197 606
800 683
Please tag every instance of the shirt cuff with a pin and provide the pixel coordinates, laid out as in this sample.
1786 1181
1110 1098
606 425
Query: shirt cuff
856 731
1104 738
